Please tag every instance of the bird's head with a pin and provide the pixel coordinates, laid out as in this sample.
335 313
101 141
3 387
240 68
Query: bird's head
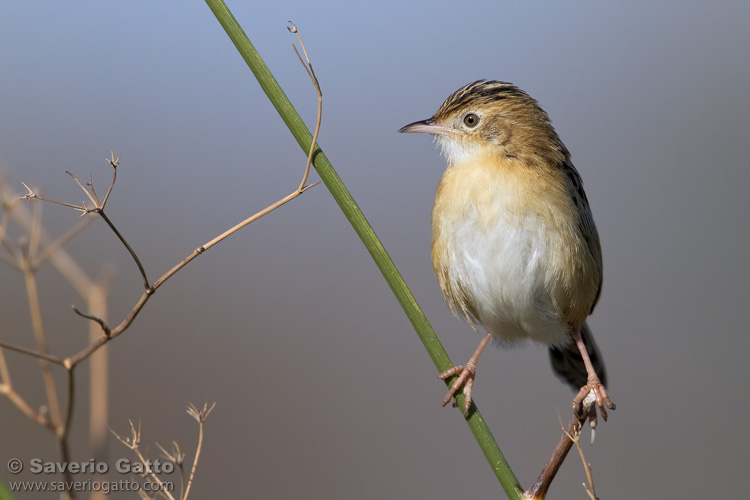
495 119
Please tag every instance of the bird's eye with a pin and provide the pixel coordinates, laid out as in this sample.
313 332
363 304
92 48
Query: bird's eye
471 120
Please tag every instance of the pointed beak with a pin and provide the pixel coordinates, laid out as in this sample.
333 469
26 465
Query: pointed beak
428 126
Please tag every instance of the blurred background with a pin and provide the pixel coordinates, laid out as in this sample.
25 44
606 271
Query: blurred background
322 388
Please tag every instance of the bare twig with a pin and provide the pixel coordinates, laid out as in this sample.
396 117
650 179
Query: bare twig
35 234
200 416
575 436
33 415
6 388
122 239
90 184
539 489
32 294
33 353
101 322
98 209
311 73
114 162
4 372
98 367
134 442
93 200
176 456
64 429
31 195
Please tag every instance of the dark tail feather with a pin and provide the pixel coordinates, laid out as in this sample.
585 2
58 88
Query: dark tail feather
567 362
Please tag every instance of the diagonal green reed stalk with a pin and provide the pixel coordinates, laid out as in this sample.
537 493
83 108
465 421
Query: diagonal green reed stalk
363 229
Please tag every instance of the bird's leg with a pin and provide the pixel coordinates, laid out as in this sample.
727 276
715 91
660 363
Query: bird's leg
593 385
467 374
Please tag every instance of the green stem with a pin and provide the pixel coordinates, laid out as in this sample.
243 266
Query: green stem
363 229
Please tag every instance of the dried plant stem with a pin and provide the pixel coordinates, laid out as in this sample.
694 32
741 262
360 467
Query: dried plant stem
33 353
311 73
539 489
134 443
32 294
153 477
122 239
195 460
98 381
200 417
6 388
4 373
64 430
113 161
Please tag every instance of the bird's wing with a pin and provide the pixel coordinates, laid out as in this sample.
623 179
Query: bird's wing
586 222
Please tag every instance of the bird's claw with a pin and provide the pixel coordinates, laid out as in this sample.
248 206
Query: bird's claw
591 396
465 378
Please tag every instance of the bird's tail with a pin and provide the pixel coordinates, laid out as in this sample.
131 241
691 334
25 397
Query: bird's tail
567 362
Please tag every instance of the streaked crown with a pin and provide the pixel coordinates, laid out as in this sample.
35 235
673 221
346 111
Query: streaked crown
496 118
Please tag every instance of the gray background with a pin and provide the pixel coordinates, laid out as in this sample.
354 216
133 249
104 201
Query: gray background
322 388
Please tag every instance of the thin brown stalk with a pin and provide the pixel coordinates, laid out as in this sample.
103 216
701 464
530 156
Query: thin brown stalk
31 195
177 457
122 239
114 162
6 388
35 234
90 184
69 406
98 380
33 353
200 416
64 430
311 73
4 372
93 200
4 227
575 436
153 477
134 443
93 318
539 489
25 408
98 209
41 341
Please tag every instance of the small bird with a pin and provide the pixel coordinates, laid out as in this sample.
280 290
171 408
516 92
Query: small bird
514 245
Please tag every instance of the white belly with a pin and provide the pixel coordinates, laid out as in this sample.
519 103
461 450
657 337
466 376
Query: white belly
498 261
